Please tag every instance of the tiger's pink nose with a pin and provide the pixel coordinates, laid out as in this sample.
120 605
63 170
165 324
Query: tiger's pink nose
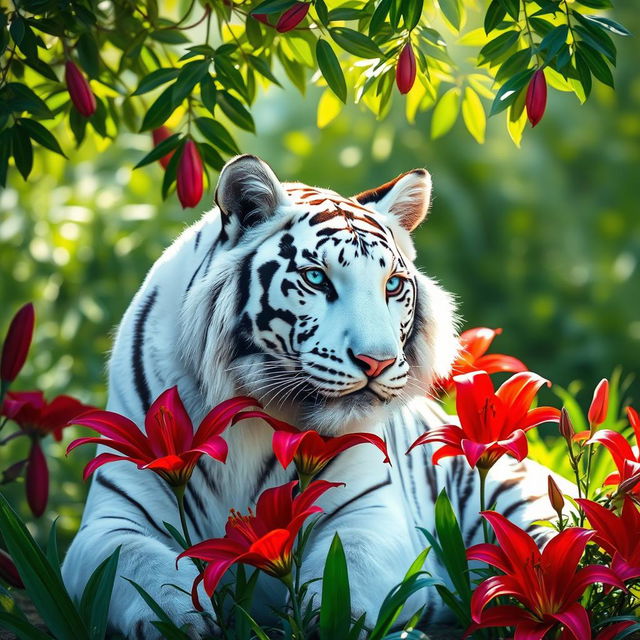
371 366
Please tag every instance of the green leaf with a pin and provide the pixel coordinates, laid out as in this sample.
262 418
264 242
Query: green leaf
596 4
607 23
473 115
412 11
52 548
42 68
17 28
508 92
598 39
253 31
494 16
230 76
43 585
331 69
41 135
171 171
155 79
262 67
451 11
512 7
596 63
94 604
6 137
22 150
217 135
335 608
175 534
379 16
159 112
22 98
169 36
445 113
294 70
498 46
584 73
454 553
553 41
272 6
517 62
21 627
87 51
167 145
188 78
78 126
236 111
355 43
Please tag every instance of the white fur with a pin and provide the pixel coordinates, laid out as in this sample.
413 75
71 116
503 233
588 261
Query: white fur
184 346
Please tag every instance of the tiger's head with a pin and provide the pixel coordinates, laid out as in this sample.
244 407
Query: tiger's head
312 303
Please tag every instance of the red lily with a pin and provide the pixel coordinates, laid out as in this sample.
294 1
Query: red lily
406 69
80 92
611 631
617 535
625 457
264 540
474 344
310 451
16 344
170 447
37 417
536 99
547 584
491 423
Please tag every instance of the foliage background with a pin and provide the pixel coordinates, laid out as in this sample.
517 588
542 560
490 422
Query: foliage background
543 241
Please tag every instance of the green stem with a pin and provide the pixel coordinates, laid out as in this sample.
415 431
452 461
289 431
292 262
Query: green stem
179 493
295 605
483 479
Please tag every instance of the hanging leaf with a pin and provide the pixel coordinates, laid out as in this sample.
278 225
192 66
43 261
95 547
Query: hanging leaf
473 114
331 70
445 113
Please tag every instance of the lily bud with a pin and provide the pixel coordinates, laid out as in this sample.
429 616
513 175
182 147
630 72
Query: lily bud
536 100
555 496
81 95
406 69
599 404
292 17
37 480
189 178
16 344
160 134
566 428
8 571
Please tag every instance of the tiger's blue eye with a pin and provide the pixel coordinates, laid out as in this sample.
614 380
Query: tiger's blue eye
315 277
394 285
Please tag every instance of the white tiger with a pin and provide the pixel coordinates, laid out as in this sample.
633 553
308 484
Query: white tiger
311 303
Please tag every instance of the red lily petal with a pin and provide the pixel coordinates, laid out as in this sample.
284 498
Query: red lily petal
123 447
304 500
214 572
477 341
612 630
168 425
473 451
113 425
339 444
17 342
490 554
446 451
516 445
171 462
60 412
274 506
517 393
488 590
285 444
450 434
505 615
634 420
589 575
472 392
216 447
217 420
623 569
272 546
539 415
576 619
532 630
103 458
611 531
495 362
517 545
617 445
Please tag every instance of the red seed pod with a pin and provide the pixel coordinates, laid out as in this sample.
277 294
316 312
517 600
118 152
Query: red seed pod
16 344
8 571
190 173
37 480
599 404
566 428
406 69
79 90
160 134
536 100
555 496
292 17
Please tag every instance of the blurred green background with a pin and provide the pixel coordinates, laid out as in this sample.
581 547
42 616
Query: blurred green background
543 241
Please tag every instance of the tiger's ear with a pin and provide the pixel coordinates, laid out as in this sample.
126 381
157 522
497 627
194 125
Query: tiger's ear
249 190
407 198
